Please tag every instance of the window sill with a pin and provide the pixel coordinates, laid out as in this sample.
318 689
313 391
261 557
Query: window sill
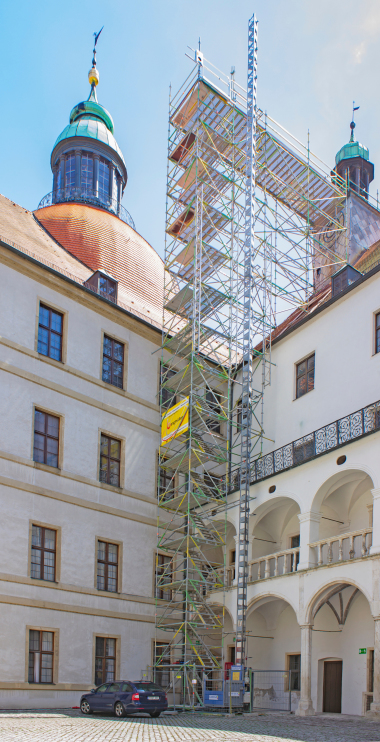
108 592
295 399
43 583
45 467
111 487
54 361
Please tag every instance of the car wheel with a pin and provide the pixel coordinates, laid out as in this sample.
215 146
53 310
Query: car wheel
85 707
119 709
155 714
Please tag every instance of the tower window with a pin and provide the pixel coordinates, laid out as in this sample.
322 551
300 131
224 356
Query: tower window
87 172
70 173
104 180
305 376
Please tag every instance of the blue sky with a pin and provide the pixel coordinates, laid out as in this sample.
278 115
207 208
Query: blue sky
315 57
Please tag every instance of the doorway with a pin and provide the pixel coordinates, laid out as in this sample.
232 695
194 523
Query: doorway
332 686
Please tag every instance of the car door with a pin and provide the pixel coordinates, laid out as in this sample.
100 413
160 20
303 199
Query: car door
96 698
109 696
126 691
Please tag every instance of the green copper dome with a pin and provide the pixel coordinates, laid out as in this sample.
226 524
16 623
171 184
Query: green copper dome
350 150
90 119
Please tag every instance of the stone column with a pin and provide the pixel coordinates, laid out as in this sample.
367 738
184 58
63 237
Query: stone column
374 712
375 548
309 532
305 706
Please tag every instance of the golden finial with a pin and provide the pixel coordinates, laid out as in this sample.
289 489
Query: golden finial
93 75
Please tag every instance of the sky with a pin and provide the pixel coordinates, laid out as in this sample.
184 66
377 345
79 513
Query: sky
314 58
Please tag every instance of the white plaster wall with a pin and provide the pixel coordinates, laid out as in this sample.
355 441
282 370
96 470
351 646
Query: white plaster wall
77 478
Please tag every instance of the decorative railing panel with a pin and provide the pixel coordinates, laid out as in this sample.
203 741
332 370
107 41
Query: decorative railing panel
80 195
330 436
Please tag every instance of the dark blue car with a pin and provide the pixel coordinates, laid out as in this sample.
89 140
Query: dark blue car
125 697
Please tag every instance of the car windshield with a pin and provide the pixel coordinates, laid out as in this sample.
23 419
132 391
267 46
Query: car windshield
147 686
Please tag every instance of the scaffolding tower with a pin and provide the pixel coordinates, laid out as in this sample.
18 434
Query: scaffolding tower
250 215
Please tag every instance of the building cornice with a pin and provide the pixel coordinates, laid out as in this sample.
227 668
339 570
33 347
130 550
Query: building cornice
33 268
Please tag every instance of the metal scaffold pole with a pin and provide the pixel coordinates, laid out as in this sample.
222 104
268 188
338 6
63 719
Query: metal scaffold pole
249 212
250 398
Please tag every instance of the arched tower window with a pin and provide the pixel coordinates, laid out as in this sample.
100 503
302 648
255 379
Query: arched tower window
70 174
104 180
87 174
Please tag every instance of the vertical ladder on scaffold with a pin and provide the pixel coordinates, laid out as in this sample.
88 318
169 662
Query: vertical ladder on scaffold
250 398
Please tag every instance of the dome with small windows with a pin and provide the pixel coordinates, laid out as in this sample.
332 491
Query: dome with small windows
84 214
87 163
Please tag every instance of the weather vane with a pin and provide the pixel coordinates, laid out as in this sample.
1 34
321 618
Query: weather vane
96 35
93 75
352 124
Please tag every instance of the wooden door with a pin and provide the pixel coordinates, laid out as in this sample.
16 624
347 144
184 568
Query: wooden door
332 686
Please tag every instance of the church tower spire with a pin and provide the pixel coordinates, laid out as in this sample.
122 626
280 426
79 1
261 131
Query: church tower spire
87 163
352 162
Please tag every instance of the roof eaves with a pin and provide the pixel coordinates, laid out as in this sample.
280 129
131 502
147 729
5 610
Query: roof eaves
79 286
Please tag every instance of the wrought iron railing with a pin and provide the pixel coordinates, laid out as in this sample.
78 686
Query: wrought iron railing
317 443
87 197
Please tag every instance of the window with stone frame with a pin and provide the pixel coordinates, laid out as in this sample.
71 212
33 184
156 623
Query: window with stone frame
50 333
44 551
41 656
105 660
113 362
162 661
293 664
167 396
46 438
110 453
164 576
305 376
107 566
377 333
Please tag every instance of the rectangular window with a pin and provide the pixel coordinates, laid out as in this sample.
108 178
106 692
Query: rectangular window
164 576
305 376
113 362
50 327
161 661
294 661
41 648
87 174
377 331
109 460
168 398
43 559
46 438
107 288
104 181
166 483
70 174
105 660
107 566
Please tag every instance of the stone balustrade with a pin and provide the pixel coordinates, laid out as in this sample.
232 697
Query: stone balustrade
273 565
343 547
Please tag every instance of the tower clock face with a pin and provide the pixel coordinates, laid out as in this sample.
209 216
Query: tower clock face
332 229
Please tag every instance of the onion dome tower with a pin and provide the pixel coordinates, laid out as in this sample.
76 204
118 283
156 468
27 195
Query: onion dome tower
87 163
84 214
353 165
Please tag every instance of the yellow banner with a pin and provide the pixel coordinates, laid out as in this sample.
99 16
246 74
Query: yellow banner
175 421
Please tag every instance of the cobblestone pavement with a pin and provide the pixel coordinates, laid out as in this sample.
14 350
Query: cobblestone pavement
71 726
